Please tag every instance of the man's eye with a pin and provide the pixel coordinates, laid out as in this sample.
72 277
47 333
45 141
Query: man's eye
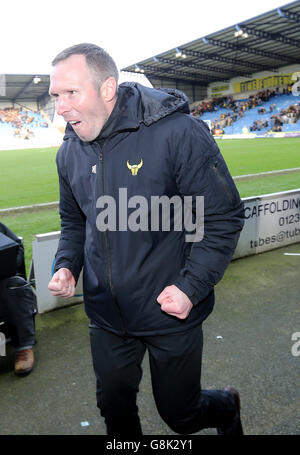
73 92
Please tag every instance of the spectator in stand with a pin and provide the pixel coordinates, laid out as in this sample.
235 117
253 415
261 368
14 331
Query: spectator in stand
284 116
277 123
262 110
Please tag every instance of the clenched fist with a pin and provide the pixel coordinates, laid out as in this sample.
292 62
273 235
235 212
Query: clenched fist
175 302
62 284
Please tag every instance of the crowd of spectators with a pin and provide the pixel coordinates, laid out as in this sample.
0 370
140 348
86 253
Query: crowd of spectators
289 115
259 125
23 122
237 108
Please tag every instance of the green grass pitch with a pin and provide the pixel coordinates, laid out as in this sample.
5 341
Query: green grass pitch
27 177
250 156
30 177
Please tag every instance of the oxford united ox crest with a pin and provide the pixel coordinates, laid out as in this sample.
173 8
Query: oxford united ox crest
134 167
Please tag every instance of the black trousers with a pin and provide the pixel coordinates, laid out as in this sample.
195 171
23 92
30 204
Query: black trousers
17 307
175 366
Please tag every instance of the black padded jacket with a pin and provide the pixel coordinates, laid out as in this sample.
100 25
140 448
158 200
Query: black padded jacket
149 146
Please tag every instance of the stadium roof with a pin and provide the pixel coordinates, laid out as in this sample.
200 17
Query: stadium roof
265 42
24 87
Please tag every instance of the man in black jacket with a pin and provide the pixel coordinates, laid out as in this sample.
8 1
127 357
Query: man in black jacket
133 165
17 307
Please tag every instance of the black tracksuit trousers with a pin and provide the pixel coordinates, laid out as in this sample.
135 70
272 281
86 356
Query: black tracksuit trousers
175 365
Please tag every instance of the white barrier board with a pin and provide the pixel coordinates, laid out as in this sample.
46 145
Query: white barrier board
43 253
271 221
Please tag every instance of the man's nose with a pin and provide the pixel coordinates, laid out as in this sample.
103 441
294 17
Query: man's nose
62 106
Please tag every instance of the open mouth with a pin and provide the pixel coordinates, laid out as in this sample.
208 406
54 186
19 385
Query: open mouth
75 123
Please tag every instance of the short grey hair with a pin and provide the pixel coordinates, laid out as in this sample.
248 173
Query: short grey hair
97 59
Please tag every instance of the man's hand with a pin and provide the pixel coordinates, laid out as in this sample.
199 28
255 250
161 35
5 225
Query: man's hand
175 302
62 284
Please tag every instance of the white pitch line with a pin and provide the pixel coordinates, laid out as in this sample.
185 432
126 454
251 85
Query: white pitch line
259 174
29 207
291 254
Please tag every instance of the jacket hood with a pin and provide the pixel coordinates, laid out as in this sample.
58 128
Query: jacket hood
138 104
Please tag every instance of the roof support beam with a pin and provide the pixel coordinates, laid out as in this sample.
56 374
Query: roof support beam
294 17
197 66
186 76
220 58
176 80
269 36
249 50
23 90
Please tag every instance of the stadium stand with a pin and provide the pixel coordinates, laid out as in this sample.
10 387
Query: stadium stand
26 128
266 112
21 123
259 53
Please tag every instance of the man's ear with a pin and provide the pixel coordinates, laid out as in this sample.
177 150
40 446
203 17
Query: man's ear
109 89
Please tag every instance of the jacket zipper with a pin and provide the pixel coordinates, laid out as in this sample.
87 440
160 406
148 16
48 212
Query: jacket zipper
108 254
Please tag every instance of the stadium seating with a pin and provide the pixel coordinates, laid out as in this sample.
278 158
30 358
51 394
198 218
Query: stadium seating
273 107
20 128
18 119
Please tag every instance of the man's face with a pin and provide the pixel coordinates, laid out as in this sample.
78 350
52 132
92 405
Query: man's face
77 100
